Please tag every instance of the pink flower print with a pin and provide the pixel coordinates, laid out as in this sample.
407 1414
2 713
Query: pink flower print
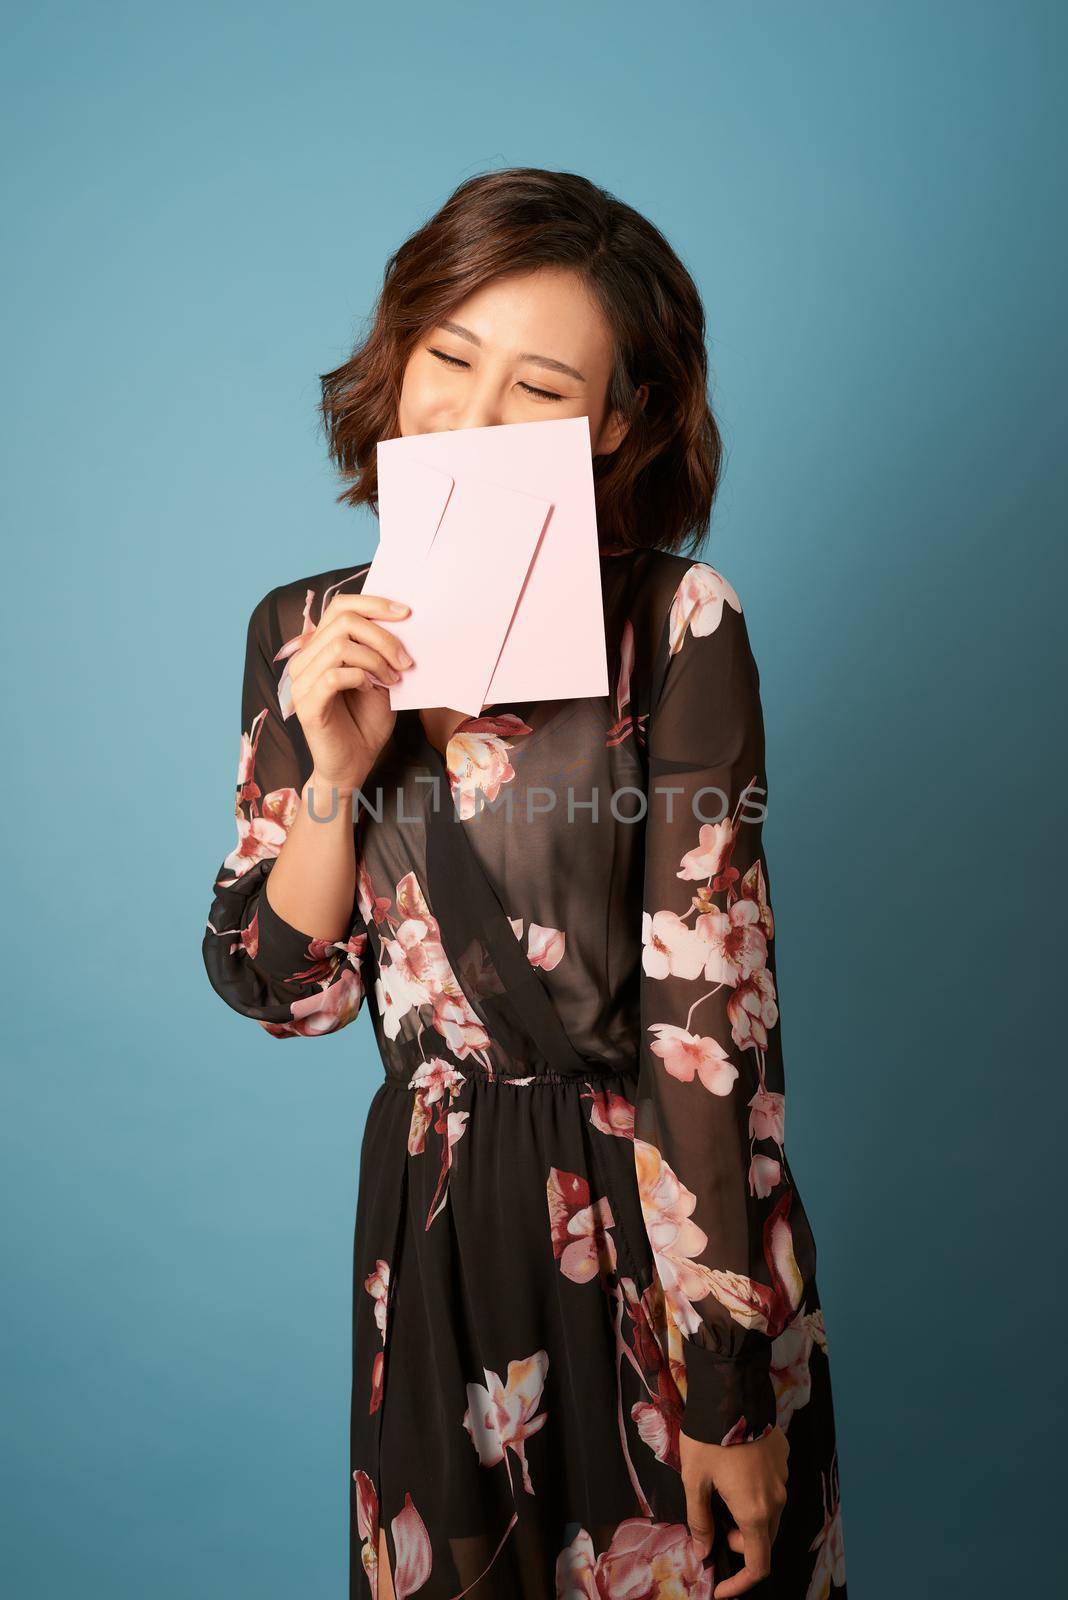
610 1113
657 1340
435 1078
581 1241
463 1032
455 1124
332 1008
740 1434
373 908
413 972
395 996
753 1009
248 790
378 1368
733 944
377 1286
671 948
667 1207
367 1526
829 1571
764 1176
417 1128
645 1561
626 668
753 887
689 1055
246 759
414 1555
431 1082
501 1417
476 758
436 1083
323 958
281 806
632 721
698 604
413 968
706 860
258 839
290 648
413 904
323 1012
260 835
420 956
767 1116
545 946
753 1304
790 1373
659 1421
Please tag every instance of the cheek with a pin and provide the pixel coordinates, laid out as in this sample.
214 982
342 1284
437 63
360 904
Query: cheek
424 395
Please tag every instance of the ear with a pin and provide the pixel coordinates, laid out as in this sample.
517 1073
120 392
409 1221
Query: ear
615 428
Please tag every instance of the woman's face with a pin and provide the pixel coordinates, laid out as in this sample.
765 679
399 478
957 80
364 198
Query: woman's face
523 348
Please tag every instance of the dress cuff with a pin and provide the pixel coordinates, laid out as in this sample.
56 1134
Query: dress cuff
729 1399
281 950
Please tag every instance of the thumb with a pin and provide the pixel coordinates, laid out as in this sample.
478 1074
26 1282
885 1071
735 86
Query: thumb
699 1518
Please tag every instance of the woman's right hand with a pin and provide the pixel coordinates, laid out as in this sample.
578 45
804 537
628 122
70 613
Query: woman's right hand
345 717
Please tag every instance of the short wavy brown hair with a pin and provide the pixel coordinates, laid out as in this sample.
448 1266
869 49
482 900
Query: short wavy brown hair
658 487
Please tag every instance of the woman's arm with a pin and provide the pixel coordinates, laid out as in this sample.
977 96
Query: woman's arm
730 1236
293 957
733 1241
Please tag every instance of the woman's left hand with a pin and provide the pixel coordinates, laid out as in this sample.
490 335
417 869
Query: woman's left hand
751 1479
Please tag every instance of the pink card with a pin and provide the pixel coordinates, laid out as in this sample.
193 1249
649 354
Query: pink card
462 599
490 534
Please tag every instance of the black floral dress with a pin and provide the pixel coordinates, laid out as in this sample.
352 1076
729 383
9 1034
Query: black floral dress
577 1230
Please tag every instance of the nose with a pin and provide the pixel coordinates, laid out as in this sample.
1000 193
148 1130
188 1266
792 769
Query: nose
483 407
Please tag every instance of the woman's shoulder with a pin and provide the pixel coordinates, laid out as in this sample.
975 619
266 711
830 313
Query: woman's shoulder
683 588
296 607
674 571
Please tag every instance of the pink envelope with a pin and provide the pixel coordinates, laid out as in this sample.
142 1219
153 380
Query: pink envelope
462 597
490 534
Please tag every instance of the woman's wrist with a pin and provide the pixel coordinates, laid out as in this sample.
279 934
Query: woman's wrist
321 790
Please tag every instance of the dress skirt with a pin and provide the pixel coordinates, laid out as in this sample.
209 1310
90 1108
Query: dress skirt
514 1371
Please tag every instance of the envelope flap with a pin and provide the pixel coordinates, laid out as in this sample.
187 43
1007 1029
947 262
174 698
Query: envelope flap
412 493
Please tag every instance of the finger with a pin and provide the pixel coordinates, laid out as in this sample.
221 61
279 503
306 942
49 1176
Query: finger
699 1518
313 692
341 651
377 605
333 682
756 1547
363 608
348 626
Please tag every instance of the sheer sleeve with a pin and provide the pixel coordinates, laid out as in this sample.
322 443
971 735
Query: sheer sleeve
731 1242
289 982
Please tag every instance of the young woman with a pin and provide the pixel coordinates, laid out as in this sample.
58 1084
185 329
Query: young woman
588 1353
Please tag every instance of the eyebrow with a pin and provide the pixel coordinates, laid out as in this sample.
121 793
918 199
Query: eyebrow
537 361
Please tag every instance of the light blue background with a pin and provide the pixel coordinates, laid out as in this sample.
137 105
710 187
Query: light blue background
200 202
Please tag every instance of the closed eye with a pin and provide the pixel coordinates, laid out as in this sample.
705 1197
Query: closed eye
454 361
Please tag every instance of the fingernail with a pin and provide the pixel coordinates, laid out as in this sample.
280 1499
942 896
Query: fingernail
405 659
398 605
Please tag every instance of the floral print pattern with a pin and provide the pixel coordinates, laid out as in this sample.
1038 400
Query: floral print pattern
477 758
645 1558
586 1012
501 1417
